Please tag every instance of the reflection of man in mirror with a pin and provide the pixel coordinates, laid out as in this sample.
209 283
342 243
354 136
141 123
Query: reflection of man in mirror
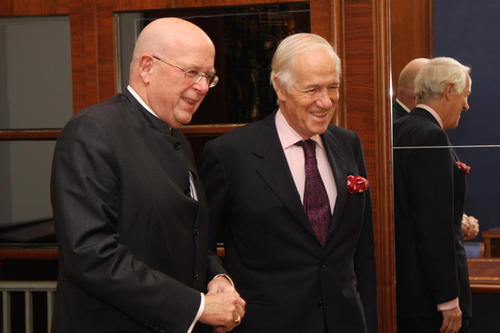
404 103
405 99
433 293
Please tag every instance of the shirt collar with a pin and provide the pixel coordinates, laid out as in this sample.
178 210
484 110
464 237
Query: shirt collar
433 112
287 135
139 99
402 105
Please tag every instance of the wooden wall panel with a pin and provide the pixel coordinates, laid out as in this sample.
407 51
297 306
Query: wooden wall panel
367 101
33 7
411 33
124 5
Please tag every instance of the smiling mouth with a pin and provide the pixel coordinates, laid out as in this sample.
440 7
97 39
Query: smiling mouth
189 100
319 114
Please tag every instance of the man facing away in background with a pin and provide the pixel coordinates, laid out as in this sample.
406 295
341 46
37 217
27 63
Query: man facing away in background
433 293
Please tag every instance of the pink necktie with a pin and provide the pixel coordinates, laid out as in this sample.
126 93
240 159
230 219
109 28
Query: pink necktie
316 203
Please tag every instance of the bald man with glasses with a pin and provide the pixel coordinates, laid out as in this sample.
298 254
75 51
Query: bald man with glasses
131 215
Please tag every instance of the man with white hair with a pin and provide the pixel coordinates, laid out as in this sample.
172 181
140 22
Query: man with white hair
433 293
291 196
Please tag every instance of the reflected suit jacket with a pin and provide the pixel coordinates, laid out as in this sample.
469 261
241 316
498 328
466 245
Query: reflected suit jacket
290 282
397 111
133 244
431 264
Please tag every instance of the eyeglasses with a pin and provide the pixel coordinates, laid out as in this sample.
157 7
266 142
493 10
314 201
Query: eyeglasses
194 74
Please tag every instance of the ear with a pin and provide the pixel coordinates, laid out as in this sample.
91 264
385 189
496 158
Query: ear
449 91
146 68
280 90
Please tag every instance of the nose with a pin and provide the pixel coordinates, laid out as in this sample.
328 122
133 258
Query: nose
466 106
325 100
202 84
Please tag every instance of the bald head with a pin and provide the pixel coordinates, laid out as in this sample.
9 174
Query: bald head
166 50
169 37
406 82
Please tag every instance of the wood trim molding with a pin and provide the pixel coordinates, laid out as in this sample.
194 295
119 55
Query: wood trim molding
383 202
29 253
29 134
34 7
367 81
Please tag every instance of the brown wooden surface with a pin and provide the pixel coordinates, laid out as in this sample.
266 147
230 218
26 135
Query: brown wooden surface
33 7
491 238
367 68
484 275
29 134
411 33
16 253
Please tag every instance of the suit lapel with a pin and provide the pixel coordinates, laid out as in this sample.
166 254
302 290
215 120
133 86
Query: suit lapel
272 167
337 164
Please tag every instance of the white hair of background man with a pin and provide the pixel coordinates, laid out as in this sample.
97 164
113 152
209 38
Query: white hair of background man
433 78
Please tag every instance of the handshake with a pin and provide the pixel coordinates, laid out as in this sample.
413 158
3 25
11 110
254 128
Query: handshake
470 227
224 308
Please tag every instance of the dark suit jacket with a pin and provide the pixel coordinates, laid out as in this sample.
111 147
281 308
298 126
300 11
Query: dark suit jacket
431 265
397 111
133 244
291 283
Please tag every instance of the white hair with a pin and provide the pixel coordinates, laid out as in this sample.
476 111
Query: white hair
433 78
287 51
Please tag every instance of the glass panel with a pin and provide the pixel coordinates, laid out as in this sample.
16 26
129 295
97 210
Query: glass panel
25 169
483 186
245 38
478 48
35 67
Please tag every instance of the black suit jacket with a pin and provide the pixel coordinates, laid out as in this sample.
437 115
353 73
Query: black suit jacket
291 283
133 244
397 111
431 264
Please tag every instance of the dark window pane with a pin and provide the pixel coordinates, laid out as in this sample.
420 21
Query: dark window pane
245 38
35 67
24 179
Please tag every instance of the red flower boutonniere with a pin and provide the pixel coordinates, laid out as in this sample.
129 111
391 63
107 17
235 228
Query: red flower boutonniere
463 167
356 184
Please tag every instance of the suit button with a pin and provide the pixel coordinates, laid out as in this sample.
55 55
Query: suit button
196 232
196 277
323 265
320 304
177 145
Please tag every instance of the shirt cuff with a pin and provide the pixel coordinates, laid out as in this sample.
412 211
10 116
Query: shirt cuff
226 276
198 314
448 305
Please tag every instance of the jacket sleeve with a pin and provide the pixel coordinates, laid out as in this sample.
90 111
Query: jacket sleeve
214 180
430 178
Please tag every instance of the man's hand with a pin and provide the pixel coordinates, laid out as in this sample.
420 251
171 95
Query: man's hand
452 320
223 310
219 284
